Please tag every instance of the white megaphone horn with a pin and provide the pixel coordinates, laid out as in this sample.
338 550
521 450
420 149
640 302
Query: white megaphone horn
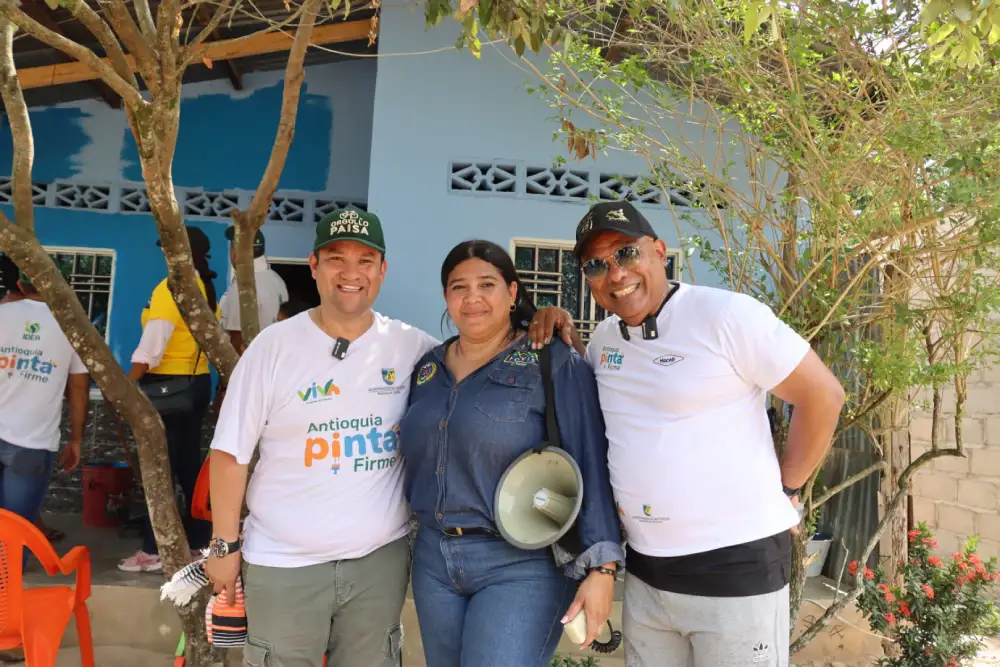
538 498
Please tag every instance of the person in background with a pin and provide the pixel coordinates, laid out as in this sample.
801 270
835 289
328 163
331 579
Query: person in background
707 505
292 307
325 562
38 366
477 402
271 292
167 348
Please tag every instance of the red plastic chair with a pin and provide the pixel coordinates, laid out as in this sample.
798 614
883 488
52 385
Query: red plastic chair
36 618
201 506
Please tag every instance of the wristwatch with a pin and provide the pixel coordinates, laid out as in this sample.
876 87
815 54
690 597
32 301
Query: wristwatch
604 570
791 493
219 548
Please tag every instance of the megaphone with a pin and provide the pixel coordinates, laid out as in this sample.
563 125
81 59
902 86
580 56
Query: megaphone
538 498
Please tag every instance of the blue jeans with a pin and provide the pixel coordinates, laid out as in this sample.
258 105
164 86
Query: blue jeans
484 603
24 479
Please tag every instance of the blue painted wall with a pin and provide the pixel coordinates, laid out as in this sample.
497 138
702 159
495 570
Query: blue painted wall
224 144
432 109
139 263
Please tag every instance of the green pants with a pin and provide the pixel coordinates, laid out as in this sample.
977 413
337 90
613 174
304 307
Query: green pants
348 610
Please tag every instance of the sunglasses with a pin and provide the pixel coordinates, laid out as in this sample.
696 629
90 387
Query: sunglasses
626 257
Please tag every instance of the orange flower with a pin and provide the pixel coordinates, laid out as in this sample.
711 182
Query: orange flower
930 542
852 567
913 534
904 608
889 597
934 561
869 575
890 618
928 590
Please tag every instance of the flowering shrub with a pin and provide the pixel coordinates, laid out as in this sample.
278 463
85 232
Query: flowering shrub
939 615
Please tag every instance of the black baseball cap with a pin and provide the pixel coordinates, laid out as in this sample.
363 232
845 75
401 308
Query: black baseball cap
197 239
611 216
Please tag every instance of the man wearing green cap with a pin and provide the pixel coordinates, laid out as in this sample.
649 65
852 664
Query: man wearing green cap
325 557
271 291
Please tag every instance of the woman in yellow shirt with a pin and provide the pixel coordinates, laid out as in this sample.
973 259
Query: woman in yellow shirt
167 349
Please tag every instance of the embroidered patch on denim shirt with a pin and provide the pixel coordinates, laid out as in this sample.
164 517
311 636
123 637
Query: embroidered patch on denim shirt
522 358
426 372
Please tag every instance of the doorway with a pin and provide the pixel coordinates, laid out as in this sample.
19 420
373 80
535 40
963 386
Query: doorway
298 279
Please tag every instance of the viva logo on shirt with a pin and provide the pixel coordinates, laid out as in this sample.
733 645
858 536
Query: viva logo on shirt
360 440
319 392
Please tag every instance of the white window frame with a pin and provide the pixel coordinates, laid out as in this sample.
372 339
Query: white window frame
585 327
96 252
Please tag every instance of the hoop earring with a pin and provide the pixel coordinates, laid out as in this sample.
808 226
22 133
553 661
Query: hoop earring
513 307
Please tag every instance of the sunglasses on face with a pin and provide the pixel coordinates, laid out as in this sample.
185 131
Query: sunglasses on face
626 257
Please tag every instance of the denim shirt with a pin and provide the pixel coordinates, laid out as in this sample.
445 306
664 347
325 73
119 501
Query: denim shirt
458 439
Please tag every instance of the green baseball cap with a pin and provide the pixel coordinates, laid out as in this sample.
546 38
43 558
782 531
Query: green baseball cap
350 224
258 238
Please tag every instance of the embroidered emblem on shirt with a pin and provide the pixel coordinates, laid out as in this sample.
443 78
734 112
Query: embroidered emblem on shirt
647 510
668 359
522 358
426 372
389 375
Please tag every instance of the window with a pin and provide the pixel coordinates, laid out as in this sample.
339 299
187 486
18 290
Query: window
554 277
90 272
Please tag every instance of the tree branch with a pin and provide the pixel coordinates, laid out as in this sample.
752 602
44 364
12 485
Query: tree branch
894 505
20 130
102 69
248 222
140 46
209 27
145 16
850 481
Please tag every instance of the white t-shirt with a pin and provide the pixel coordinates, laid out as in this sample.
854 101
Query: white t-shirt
329 482
271 293
691 455
35 362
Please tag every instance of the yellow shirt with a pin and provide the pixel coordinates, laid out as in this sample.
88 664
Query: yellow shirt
182 349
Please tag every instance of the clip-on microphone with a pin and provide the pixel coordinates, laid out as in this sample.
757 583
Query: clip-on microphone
650 330
340 348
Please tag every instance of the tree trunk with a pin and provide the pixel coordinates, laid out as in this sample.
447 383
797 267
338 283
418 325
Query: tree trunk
250 221
147 427
157 136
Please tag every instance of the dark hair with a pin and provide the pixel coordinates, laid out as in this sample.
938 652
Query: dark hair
293 306
200 247
8 273
491 253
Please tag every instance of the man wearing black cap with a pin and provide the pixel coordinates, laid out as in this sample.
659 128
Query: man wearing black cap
271 291
683 372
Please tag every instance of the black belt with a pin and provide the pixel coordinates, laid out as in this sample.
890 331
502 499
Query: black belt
459 532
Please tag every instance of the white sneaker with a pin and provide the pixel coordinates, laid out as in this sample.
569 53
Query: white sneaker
141 561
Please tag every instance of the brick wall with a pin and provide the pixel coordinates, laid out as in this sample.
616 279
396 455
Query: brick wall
960 497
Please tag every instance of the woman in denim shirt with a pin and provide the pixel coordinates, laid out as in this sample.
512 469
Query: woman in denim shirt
477 403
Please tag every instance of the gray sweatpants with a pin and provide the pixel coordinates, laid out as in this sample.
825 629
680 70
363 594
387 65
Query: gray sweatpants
671 630
349 610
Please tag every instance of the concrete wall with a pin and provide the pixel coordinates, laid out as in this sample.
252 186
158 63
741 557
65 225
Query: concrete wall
223 147
446 106
960 497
